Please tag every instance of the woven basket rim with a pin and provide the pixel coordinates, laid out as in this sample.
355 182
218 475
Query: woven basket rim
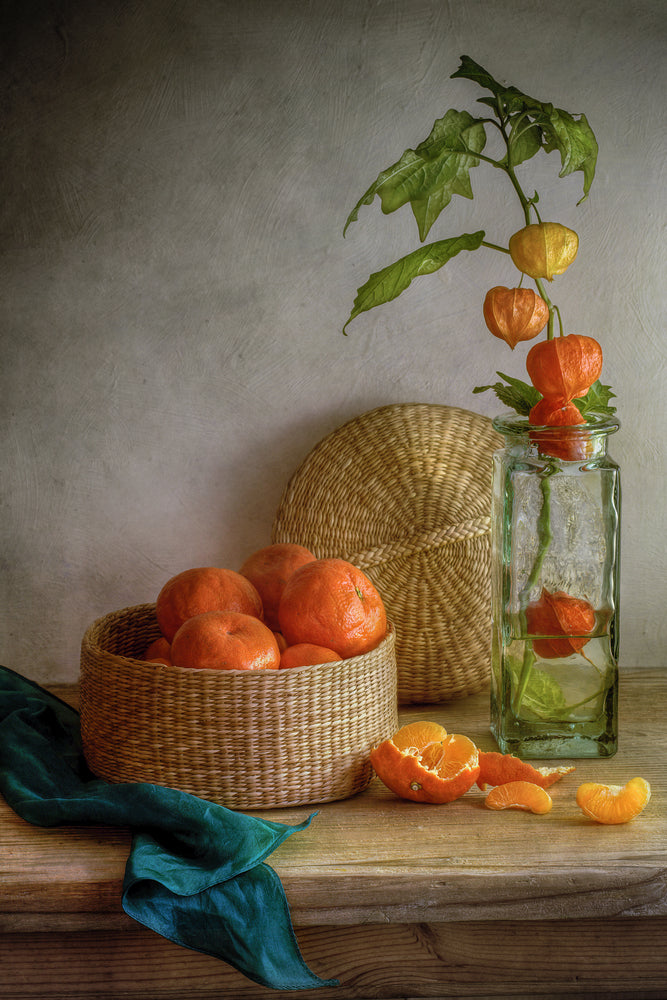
173 668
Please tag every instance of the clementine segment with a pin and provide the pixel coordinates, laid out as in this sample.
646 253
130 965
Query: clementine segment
225 640
201 589
611 804
524 795
329 602
269 569
307 654
439 769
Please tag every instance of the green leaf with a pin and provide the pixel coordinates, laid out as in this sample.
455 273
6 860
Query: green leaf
537 125
427 177
518 395
387 284
574 140
596 400
543 695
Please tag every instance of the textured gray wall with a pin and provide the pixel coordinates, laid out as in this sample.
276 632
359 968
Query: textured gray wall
175 178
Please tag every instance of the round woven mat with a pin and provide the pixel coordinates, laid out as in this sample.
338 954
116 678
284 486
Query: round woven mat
404 492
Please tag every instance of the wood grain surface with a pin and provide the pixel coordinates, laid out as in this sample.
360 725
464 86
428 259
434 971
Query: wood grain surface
393 897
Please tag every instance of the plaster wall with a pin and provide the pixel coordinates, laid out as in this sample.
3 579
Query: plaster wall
174 180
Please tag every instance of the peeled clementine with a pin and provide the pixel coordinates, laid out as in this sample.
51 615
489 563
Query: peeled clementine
201 589
269 569
424 763
305 654
331 603
543 249
225 640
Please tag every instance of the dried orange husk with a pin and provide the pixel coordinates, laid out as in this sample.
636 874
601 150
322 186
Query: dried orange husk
544 249
514 314
561 624
564 368
498 768
611 804
524 795
550 412
424 763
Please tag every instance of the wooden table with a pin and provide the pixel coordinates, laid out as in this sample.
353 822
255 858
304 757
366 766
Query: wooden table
393 898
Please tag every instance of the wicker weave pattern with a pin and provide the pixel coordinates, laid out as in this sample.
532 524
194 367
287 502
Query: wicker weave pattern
404 492
246 739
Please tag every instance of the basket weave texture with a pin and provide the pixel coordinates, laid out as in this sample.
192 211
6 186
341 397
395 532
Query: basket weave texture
404 492
245 739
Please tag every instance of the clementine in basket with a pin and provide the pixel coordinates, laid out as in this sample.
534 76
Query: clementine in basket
269 569
204 588
306 654
280 639
524 795
225 640
329 602
158 651
610 804
424 763
499 768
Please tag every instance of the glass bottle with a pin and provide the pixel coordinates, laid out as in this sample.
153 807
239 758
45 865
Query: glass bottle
555 590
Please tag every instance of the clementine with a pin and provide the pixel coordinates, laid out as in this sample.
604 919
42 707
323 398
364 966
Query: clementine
281 640
424 763
305 654
158 651
225 640
329 602
201 589
269 569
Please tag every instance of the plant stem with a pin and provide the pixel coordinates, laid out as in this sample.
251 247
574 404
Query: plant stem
544 537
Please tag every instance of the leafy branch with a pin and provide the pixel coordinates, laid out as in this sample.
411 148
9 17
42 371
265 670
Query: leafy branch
428 176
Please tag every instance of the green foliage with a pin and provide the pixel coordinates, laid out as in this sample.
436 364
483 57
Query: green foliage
428 176
518 395
596 400
522 397
387 284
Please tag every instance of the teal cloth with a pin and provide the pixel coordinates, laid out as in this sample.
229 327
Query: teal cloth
196 872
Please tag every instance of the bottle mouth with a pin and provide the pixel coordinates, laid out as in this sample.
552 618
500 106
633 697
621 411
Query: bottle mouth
569 443
595 424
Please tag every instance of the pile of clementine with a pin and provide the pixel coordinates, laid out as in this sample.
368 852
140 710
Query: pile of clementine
283 608
424 763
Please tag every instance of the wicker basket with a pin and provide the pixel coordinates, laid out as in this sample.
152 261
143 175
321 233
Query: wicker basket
245 739
404 493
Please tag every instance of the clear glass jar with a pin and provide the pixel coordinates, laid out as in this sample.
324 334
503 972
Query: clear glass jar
555 590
